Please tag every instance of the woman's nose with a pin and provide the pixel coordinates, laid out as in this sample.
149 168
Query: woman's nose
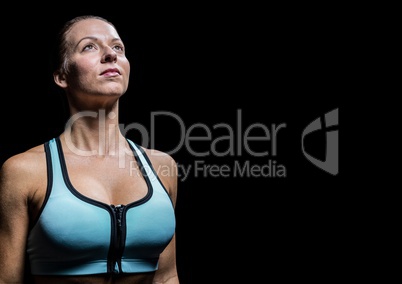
109 55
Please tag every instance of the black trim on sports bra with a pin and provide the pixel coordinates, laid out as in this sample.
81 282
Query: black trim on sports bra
96 202
49 167
151 166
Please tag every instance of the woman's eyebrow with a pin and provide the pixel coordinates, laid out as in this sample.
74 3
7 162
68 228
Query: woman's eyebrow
96 39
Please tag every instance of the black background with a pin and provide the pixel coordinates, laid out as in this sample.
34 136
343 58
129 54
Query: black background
276 65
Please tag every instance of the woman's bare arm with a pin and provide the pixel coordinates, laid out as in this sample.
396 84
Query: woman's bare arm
19 176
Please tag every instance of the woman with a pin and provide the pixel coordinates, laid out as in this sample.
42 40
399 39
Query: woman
89 206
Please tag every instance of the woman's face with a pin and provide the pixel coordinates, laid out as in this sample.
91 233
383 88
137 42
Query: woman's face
97 62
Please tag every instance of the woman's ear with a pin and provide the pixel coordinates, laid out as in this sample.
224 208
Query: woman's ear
60 79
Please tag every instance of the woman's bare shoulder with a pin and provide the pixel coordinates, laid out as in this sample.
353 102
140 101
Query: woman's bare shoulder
23 168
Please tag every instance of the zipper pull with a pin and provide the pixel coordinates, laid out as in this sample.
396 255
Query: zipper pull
119 210
118 239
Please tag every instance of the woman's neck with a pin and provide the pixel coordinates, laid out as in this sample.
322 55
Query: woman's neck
94 133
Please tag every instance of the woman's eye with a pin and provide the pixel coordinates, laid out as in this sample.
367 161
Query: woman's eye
118 47
88 47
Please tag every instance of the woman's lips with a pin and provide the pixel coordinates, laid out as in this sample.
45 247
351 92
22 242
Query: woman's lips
110 72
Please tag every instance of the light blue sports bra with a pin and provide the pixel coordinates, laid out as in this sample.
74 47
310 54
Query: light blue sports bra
76 235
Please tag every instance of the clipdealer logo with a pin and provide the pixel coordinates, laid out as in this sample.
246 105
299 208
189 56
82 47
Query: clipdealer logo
222 140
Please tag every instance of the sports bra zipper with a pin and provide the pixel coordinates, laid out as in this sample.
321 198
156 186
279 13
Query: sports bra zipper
119 236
